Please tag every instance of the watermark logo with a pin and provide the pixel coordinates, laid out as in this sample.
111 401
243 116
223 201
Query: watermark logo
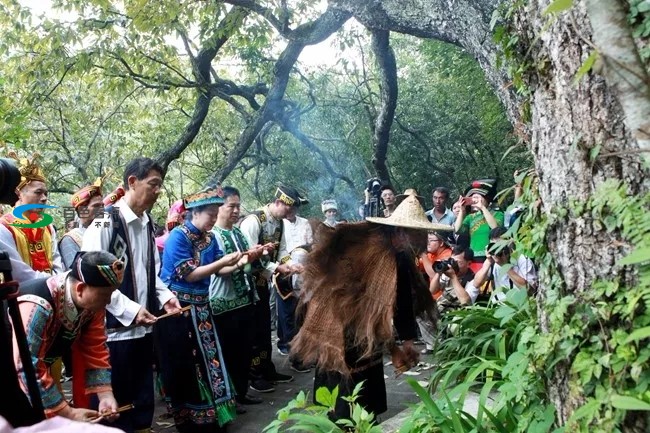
38 219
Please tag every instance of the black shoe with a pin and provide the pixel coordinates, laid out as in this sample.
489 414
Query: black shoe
249 399
299 367
261 385
279 378
239 409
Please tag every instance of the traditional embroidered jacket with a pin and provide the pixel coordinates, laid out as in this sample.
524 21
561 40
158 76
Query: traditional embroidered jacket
53 324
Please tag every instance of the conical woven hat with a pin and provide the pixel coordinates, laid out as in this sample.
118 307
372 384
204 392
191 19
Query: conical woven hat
409 214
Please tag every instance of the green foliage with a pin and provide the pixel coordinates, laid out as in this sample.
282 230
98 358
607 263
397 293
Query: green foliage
513 52
639 19
558 6
486 359
297 415
598 339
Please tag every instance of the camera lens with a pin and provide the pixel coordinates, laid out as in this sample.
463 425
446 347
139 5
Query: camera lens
440 266
9 180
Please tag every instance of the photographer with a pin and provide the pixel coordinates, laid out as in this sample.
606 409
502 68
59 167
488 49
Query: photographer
477 224
452 282
521 274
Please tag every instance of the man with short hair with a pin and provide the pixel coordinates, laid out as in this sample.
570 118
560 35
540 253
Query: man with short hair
388 197
296 234
455 282
66 312
438 248
263 227
126 230
521 274
440 213
33 251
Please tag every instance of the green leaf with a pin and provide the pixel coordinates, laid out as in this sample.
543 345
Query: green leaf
558 6
637 335
324 396
586 67
629 403
637 256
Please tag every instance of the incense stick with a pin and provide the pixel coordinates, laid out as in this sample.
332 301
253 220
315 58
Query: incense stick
174 314
126 328
118 410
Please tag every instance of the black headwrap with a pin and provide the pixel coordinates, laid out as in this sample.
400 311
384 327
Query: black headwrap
97 275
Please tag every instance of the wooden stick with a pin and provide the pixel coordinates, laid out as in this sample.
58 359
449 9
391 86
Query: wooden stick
183 309
174 314
118 410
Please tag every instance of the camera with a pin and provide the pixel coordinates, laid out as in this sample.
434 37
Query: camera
9 180
373 185
373 206
441 266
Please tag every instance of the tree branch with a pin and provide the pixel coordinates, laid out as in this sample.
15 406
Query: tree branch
282 26
388 83
309 33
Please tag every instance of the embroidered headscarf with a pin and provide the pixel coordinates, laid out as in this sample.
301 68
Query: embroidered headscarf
83 196
97 269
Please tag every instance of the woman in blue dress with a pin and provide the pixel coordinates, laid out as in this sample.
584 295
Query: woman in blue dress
198 390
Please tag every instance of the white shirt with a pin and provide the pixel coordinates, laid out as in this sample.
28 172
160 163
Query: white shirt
21 271
447 218
524 267
472 291
294 234
98 237
250 227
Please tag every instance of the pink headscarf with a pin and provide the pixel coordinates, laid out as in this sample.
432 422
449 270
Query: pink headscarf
175 217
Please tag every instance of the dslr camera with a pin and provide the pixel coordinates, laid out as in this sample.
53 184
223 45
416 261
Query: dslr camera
442 266
373 205
373 185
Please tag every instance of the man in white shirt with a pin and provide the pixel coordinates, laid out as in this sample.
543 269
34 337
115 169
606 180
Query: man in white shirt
264 226
126 231
521 274
296 233
440 213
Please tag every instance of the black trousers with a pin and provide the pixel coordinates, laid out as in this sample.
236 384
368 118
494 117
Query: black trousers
132 381
261 365
236 329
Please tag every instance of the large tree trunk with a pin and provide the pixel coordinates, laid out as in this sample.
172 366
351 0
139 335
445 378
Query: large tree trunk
578 135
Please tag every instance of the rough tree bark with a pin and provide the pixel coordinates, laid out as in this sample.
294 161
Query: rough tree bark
623 66
578 135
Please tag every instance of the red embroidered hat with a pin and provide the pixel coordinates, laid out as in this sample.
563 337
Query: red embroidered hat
83 196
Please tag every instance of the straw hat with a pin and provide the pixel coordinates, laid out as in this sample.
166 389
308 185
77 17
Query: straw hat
409 214
410 191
